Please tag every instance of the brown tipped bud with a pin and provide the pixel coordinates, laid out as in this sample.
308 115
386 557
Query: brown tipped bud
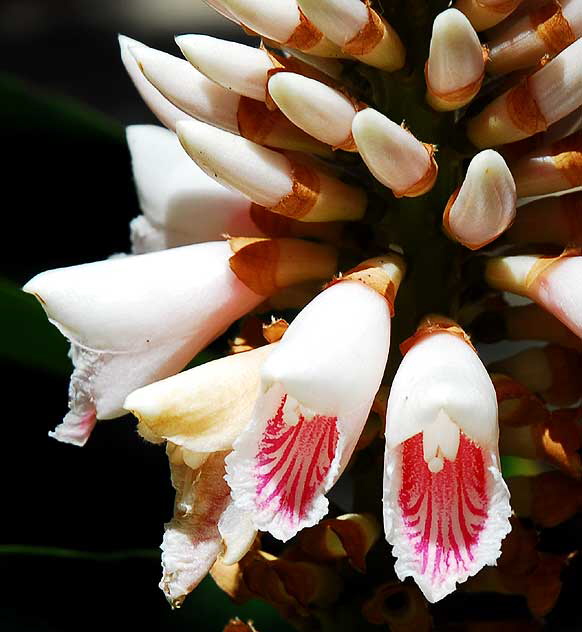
456 64
550 169
553 372
548 499
346 537
545 30
518 406
530 107
267 265
553 220
555 441
382 274
358 30
399 605
483 14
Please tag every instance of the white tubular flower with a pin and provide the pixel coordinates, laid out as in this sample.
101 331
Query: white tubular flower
552 282
550 169
484 206
181 205
242 69
282 22
133 320
321 111
456 62
167 112
318 386
446 506
358 30
393 155
543 98
269 178
483 14
137 319
545 30
219 7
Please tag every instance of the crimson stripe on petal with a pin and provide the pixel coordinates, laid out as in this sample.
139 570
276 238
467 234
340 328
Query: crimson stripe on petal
293 461
443 513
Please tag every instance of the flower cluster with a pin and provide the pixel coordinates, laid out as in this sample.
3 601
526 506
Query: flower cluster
290 179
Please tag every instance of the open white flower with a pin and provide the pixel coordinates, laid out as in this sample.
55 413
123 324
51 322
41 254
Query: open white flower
317 390
446 506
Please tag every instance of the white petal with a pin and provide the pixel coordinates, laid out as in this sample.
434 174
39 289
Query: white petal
339 20
441 371
274 20
138 319
238 534
191 540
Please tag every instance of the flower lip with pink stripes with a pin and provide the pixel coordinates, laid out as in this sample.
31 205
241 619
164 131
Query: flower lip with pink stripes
317 390
446 507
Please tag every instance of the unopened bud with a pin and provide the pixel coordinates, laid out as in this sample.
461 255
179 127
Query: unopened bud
209 102
219 7
549 499
484 206
399 605
550 169
552 282
242 69
393 155
456 62
269 178
556 441
283 22
346 537
483 14
555 373
266 265
551 220
545 30
319 110
518 406
358 30
530 107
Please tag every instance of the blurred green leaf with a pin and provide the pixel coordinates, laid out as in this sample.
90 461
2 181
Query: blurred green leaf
26 108
27 337
516 466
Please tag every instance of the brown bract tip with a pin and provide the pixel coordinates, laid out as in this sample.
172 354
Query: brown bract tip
427 181
431 324
302 199
305 36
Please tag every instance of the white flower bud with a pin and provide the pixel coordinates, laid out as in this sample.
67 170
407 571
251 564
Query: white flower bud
484 207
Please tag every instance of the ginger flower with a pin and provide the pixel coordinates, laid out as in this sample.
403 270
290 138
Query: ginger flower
345 130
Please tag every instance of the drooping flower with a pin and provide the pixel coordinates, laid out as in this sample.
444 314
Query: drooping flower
200 413
446 506
133 320
317 390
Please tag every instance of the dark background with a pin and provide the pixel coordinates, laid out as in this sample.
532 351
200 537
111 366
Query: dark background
80 527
